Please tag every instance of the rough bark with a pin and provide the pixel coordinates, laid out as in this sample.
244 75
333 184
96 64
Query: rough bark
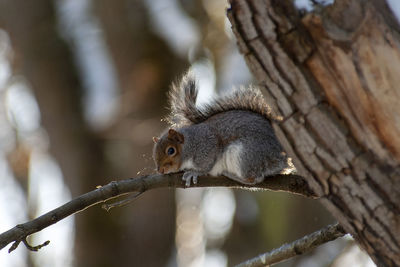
333 75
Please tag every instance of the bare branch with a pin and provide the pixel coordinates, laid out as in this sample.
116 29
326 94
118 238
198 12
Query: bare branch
289 183
34 248
298 247
121 203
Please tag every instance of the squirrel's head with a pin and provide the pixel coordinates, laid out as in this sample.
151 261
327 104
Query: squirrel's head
167 151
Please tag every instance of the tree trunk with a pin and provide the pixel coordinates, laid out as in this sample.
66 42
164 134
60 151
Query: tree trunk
45 60
333 75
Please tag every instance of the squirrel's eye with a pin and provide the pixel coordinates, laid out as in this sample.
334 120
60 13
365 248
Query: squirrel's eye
171 151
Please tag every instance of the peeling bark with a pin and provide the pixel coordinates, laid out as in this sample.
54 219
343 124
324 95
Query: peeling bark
333 76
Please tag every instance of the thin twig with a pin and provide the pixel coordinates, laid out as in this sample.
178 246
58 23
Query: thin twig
34 248
290 183
121 203
298 247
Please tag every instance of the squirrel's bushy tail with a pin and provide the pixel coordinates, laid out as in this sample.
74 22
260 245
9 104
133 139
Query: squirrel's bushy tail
182 101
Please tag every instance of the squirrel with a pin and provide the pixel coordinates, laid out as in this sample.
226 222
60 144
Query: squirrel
231 136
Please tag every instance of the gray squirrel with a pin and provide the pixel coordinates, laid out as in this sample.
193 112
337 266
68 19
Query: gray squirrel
230 136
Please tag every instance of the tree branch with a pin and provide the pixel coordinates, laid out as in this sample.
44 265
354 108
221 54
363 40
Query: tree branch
289 183
298 247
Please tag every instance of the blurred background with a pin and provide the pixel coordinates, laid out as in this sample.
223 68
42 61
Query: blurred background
82 92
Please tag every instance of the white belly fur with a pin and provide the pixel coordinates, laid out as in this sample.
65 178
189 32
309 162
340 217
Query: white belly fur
187 165
229 162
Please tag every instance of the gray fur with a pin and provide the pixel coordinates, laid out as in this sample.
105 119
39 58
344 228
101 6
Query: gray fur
262 155
241 118
182 102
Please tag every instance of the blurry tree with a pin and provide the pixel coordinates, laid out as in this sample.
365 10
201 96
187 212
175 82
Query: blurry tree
143 62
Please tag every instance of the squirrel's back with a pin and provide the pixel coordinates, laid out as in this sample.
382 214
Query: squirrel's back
182 101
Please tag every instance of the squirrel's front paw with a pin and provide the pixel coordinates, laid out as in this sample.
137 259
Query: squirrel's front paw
189 176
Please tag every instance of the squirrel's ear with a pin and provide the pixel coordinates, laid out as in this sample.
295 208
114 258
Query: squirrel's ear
174 135
155 139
